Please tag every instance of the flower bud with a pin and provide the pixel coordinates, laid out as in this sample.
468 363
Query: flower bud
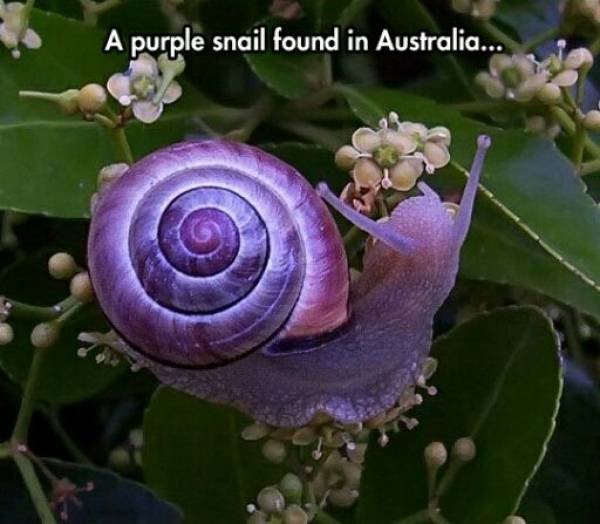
346 157
464 449
291 488
294 514
7 334
435 455
274 451
255 431
304 436
591 121
81 287
367 173
62 266
271 500
514 519
257 517
92 98
580 58
342 498
119 458
45 335
549 94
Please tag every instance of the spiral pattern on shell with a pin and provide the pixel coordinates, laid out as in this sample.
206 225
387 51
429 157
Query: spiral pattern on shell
206 250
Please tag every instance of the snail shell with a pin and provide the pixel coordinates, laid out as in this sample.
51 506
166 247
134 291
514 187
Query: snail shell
206 250
224 273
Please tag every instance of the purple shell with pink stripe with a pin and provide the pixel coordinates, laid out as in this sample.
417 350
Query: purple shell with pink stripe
225 275
206 250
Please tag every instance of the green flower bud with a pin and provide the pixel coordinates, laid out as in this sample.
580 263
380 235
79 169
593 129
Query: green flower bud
7 334
62 266
464 449
119 458
271 500
81 287
45 335
92 98
291 488
274 451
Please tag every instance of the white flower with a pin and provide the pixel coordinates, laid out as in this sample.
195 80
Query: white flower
142 87
15 29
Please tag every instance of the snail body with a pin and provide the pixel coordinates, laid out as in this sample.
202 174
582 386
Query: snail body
223 272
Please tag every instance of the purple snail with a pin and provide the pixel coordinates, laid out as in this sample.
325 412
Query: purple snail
224 273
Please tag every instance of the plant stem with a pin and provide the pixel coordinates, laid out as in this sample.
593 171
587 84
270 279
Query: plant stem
20 309
569 126
323 517
34 487
28 403
123 145
65 438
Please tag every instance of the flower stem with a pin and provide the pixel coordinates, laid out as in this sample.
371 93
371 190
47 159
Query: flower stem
34 487
28 402
123 146
66 439
316 134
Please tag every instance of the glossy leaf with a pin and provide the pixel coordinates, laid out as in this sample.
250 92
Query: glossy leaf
67 378
526 178
49 161
499 381
112 500
195 457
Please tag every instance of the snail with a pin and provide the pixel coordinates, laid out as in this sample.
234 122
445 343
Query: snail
223 272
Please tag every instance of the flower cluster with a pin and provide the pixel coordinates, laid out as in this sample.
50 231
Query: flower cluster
483 9
521 78
281 503
393 156
15 30
147 85
336 451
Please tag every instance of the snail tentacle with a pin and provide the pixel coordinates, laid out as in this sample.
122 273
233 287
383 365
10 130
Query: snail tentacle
391 237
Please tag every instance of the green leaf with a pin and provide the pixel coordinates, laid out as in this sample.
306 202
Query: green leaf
291 75
313 162
326 13
66 378
112 500
48 161
529 182
499 381
194 456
